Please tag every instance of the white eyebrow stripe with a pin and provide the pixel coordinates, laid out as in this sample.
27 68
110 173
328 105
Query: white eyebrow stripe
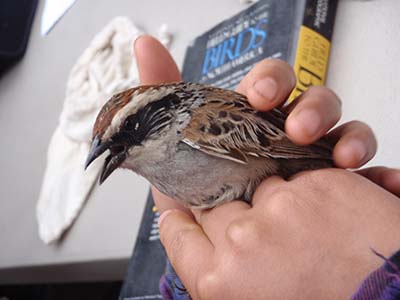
137 102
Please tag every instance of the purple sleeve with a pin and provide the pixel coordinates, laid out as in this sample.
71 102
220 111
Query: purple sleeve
382 284
171 287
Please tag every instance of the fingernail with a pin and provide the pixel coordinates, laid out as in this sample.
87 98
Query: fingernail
266 88
162 217
310 120
358 149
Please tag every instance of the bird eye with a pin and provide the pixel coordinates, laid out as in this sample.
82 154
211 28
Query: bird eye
131 124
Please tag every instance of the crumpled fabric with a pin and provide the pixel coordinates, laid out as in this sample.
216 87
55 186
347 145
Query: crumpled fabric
106 67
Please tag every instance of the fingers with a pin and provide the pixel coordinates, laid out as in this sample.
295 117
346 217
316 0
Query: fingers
267 187
187 247
315 112
268 84
215 221
312 115
387 178
356 144
155 64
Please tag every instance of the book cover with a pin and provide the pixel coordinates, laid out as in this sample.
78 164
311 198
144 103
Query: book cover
148 260
298 31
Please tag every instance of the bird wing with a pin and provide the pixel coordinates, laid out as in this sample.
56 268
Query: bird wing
226 126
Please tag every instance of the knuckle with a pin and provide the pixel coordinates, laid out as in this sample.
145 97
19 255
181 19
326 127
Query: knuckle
280 203
243 235
209 286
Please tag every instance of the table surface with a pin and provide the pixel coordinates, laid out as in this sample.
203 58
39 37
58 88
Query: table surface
364 72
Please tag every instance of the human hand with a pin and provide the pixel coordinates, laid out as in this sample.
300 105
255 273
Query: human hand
355 145
309 238
311 116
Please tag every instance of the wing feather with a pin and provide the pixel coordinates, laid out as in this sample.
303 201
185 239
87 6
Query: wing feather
226 126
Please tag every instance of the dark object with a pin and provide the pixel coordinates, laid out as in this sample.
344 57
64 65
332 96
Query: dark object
16 18
148 259
106 290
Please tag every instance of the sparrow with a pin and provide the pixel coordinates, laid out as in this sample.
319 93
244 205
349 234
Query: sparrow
200 145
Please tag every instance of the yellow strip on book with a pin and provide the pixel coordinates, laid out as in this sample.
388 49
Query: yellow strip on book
311 60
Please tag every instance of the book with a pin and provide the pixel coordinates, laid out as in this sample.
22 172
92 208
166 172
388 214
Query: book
148 260
298 31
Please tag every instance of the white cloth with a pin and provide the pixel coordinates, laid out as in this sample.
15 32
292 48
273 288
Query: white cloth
105 67
164 35
65 186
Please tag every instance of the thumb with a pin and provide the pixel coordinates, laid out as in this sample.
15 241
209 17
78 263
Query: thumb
187 246
155 64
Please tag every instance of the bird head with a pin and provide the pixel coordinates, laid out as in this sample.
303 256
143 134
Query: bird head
133 123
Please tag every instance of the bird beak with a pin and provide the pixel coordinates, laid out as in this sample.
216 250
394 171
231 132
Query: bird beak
96 149
113 160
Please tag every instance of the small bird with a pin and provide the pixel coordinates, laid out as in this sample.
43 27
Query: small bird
198 144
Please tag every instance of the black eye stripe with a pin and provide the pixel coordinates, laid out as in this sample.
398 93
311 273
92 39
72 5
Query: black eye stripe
148 120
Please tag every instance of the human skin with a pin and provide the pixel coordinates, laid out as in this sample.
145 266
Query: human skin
306 238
